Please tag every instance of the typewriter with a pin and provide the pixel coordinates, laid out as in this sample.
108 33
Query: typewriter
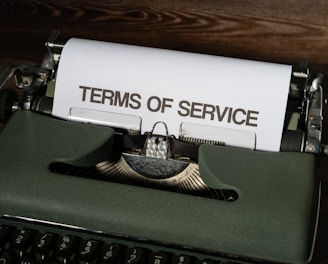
92 187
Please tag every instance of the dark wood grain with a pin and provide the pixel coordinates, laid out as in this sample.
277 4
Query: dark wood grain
278 31
282 31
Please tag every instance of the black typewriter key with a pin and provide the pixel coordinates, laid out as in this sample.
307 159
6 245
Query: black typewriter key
6 259
88 251
4 236
4 231
43 245
135 256
158 258
65 248
111 253
21 239
182 259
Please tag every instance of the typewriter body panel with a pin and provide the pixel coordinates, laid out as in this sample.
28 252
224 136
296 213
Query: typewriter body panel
273 218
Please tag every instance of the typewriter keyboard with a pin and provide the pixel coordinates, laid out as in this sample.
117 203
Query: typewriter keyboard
29 242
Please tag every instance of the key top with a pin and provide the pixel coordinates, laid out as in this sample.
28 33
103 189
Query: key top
158 258
4 235
111 253
135 256
21 239
182 259
65 247
43 243
6 259
88 250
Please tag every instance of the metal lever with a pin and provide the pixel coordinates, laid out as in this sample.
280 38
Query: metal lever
54 47
314 119
23 74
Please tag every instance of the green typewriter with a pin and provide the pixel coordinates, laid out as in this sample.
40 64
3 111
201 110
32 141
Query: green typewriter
93 187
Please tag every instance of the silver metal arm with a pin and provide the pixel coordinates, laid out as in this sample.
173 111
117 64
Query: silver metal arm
24 74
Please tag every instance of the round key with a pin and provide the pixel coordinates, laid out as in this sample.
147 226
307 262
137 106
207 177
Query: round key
88 250
6 259
134 256
111 253
158 258
65 246
182 259
21 239
4 235
42 243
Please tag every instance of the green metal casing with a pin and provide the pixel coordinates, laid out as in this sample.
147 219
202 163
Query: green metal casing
274 218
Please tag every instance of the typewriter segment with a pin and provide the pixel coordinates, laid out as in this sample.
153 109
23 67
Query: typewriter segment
104 191
30 241
161 161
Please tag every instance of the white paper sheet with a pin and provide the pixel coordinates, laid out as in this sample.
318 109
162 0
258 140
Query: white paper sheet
174 87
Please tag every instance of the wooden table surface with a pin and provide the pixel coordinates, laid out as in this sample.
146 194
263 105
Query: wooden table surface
282 31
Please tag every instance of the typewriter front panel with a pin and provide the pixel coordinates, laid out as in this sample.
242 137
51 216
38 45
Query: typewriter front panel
274 217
